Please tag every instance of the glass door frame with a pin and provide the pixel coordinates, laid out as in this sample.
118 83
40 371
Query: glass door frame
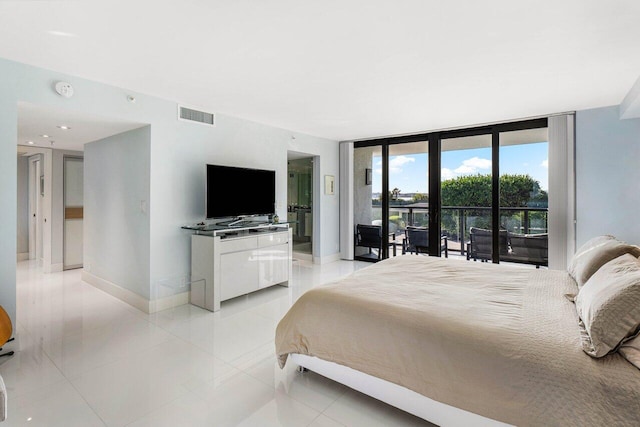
435 162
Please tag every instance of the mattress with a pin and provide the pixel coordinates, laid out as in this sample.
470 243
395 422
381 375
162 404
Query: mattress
499 341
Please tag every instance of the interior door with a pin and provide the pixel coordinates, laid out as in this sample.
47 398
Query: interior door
35 206
73 212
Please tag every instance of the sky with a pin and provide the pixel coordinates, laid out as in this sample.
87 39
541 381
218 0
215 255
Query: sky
409 172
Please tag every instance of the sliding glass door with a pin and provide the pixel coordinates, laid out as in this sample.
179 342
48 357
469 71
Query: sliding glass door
475 187
408 191
466 195
524 185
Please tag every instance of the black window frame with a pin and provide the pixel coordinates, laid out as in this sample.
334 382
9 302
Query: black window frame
435 155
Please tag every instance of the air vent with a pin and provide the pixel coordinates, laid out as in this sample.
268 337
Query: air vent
189 114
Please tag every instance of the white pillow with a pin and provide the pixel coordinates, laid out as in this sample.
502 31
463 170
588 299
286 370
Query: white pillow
631 350
595 253
609 305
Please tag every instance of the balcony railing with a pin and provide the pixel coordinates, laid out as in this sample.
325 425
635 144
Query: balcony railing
457 220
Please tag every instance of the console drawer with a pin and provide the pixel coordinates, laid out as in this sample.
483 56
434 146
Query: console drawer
237 245
273 239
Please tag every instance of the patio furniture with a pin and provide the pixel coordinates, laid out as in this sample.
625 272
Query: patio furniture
370 237
393 232
480 246
521 248
417 241
529 249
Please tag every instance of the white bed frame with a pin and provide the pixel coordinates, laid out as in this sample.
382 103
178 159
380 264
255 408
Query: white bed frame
394 395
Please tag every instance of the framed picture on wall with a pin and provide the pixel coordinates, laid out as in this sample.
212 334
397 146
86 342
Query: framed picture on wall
367 176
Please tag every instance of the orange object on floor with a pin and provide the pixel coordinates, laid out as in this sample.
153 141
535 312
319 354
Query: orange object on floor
6 330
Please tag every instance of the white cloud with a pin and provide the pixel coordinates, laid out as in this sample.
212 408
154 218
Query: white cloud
396 163
446 173
473 165
478 163
468 166
465 170
545 164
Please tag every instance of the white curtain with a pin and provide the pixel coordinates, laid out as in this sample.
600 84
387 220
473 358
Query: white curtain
562 190
346 200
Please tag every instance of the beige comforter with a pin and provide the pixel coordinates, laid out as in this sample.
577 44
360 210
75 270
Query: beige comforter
499 341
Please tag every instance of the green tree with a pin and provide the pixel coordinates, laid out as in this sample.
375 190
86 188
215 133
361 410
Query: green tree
395 193
475 190
420 197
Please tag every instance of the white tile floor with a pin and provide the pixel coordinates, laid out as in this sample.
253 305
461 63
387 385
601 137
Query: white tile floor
85 358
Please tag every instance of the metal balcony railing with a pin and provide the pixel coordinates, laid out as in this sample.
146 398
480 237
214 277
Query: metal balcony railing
457 220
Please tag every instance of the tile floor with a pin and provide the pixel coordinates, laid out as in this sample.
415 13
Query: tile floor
84 358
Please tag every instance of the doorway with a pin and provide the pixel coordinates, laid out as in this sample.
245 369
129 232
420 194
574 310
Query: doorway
36 193
73 211
300 204
50 171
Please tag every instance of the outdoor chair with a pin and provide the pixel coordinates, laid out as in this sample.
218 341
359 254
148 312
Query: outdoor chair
370 237
520 248
416 241
480 246
529 249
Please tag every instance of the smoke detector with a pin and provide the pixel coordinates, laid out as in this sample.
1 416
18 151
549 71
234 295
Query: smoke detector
64 89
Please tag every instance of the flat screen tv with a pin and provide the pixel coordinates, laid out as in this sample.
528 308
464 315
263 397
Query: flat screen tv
235 191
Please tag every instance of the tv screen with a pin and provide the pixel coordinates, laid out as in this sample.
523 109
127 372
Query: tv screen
234 191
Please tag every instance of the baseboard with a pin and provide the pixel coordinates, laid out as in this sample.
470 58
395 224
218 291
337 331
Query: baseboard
133 299
316 260
23 256
326 259
52 268
169 302
302 256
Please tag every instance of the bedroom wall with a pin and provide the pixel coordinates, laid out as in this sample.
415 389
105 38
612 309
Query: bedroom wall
178 186
178 152
116 221
607 175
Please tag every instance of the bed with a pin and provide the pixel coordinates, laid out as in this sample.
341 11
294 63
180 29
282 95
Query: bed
461 343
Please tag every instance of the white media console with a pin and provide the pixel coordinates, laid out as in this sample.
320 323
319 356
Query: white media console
229 262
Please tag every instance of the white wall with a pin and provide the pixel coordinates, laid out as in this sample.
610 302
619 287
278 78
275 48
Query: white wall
22 228
607 175
178 184
116 221
179 151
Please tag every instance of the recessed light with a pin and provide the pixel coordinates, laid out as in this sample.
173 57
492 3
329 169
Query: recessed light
61 33
44 136
63 127
30 142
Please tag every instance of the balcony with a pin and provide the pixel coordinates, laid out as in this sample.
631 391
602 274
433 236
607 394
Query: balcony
458 220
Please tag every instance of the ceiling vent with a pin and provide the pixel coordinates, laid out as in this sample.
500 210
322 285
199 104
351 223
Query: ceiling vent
191 115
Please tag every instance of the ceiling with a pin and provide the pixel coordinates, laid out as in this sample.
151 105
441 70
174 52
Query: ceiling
35 122
342 69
